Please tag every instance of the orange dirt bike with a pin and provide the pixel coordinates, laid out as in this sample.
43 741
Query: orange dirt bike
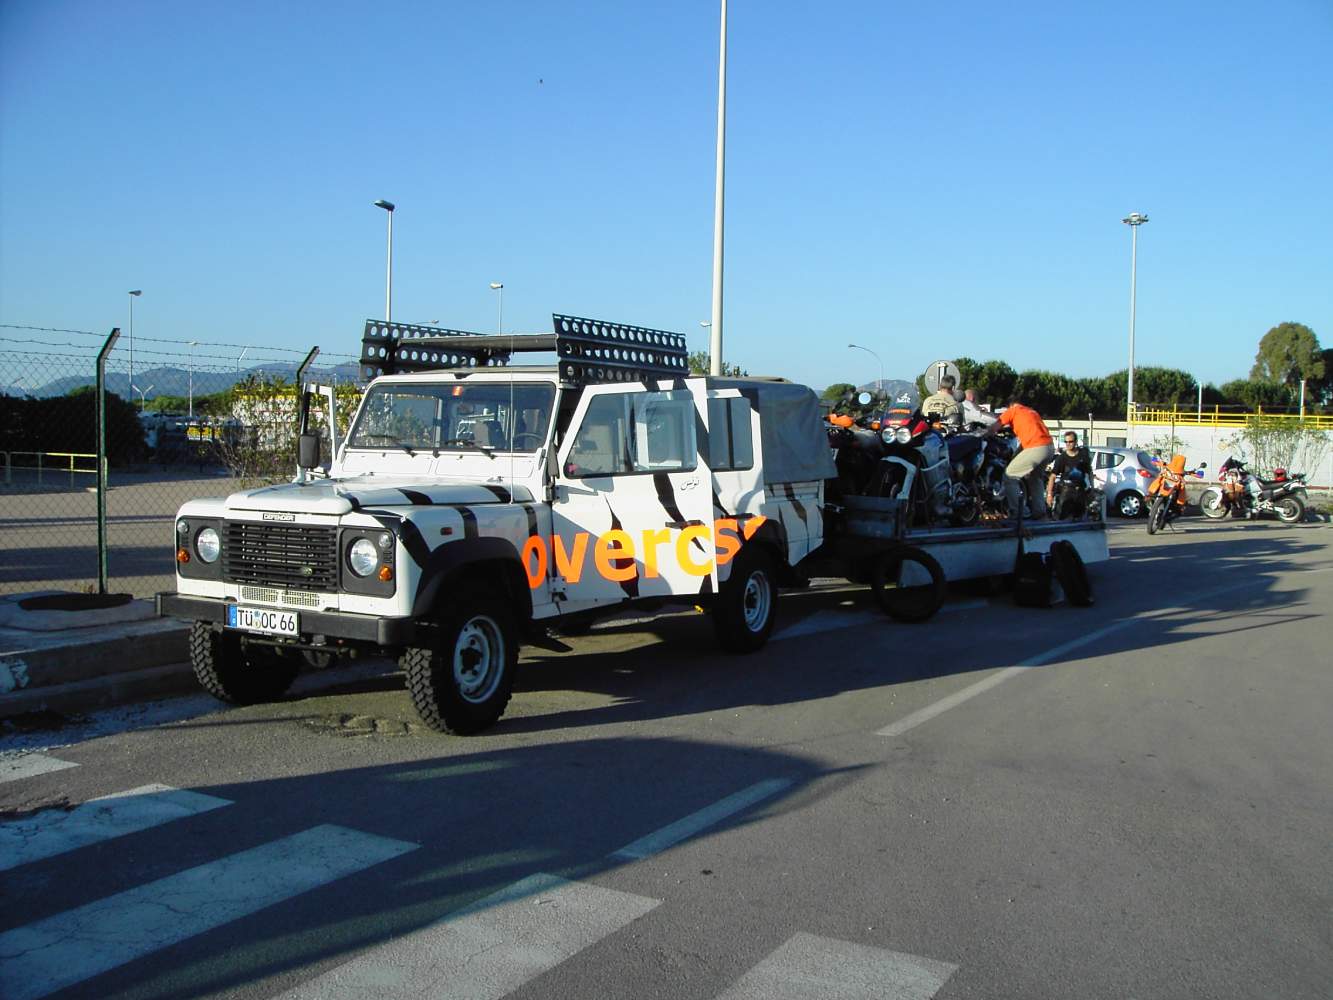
1167 492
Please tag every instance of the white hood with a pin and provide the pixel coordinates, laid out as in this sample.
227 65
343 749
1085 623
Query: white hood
342 496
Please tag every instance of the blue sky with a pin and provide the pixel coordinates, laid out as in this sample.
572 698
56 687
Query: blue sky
927 179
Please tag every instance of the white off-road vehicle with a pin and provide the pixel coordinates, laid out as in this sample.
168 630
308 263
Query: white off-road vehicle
474 504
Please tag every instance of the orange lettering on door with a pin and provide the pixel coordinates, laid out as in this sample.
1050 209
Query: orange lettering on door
651 540
688 535
570 565
614 555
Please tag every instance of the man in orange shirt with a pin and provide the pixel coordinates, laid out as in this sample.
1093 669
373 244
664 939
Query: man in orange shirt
1038 449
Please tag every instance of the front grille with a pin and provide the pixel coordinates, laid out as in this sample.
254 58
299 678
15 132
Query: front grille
290 556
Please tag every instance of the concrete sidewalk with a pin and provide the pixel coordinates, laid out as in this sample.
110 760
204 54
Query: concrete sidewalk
72 661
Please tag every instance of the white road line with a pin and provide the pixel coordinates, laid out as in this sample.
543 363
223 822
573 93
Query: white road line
971 691
807 967
55 831
28 765
682 829
486 950
68 948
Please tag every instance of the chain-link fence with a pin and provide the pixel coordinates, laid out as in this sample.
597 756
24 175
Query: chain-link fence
183 419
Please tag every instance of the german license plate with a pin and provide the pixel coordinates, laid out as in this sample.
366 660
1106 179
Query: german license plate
266 620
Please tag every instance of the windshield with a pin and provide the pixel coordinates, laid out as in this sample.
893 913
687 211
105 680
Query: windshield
455 416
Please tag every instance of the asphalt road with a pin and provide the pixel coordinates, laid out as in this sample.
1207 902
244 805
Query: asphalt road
1125 801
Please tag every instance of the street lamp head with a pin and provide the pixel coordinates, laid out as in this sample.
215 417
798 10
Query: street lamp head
137 291
386 205
497 285
1135 219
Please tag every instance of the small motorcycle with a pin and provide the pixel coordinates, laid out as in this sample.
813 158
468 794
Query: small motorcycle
1167 492
1075 498
857 448
1243 494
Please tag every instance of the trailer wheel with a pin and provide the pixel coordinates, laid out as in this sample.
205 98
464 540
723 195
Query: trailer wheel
237 673
908 584
747 604
1071 573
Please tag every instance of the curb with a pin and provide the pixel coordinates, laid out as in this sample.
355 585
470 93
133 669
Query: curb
142 663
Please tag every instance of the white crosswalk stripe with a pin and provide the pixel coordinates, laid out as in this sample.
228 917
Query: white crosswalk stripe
806 967
29 765
55 831
682 829
68 948
487 950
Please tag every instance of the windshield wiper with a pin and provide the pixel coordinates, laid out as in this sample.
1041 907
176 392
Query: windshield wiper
392 439
486 450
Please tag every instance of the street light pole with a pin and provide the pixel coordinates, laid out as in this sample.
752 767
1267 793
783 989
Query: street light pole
388 278
715 338
498 286
1133 220
133 295
877 358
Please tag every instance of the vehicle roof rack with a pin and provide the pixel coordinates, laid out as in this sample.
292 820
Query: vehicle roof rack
589 350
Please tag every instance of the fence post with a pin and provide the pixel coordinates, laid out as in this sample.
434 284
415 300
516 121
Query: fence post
111 339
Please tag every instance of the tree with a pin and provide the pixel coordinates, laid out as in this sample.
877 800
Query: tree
1253 394
1288 353
699 365
837 390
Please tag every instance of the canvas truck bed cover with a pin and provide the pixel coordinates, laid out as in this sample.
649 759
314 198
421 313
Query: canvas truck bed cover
793 437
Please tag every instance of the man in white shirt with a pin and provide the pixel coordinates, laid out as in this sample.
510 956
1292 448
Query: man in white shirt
974 414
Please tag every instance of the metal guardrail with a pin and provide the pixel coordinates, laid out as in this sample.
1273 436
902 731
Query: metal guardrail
1187 417
46 468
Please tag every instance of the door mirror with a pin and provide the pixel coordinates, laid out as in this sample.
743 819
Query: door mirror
864 398
307 451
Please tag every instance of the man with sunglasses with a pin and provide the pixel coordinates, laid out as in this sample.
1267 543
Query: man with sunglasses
1072 459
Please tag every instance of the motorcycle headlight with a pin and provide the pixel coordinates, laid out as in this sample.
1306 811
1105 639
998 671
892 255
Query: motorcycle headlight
208 545
363 557
902 435
886 435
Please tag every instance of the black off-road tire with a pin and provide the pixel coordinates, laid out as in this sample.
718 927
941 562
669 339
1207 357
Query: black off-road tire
1290 510
236 672
747 603
1072 573
462 682
1157 514
907 604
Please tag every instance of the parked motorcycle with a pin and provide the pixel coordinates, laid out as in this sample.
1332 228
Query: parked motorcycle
1167 492
1243 494
857 447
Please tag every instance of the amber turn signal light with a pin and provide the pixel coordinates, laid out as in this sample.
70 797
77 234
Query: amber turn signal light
385 574
182 556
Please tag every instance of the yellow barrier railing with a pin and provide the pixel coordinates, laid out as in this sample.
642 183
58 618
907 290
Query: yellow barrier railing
1191 416
46 468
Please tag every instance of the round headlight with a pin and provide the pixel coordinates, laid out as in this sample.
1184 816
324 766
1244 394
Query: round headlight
887 435
208 545
182 528
902 435
386 540
362 557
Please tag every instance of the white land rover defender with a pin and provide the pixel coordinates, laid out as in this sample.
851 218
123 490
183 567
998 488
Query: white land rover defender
474 503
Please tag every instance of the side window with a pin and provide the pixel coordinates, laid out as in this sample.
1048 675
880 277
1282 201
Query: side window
635 432
730 442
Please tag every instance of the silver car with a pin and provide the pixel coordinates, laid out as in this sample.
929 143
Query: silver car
1123 475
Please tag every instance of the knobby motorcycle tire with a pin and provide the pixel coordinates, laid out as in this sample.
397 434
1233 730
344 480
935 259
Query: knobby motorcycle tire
1072 573
1158 514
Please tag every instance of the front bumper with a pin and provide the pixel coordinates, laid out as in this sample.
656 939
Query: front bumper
333 624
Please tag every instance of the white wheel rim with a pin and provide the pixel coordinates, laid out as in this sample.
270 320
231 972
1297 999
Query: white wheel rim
478 659
757 601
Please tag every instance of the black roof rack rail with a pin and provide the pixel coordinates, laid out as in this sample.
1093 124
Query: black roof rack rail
589 350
